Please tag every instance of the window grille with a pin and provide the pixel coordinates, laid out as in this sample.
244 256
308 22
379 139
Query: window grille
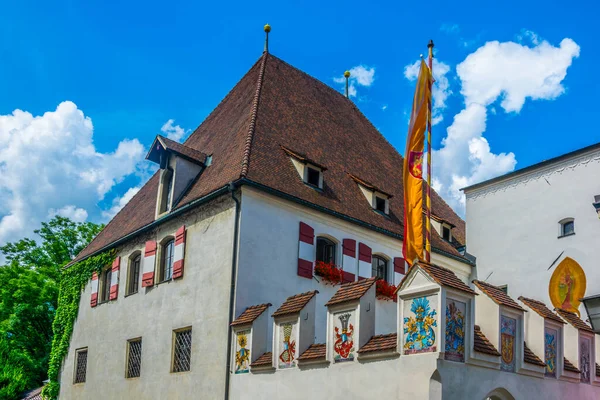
182 350
168 251
80 365
134 358
134 275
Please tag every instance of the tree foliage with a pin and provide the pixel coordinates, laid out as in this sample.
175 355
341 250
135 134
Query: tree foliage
29 290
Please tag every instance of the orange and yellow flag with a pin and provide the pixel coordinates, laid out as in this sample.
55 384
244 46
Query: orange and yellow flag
413 168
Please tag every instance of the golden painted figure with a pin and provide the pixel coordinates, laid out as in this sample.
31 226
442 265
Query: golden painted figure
567 285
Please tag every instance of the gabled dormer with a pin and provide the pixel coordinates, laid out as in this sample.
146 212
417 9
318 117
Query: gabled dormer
443 227
310 171
377 198
180 166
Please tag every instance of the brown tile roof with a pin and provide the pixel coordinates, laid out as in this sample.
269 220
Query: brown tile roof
302 158
181 149
541 309
482 344
530 357
276 105
314 352
294 304
35 394
497 295
573 320
570 367
263 361
441 275
380 343
351 291
250 314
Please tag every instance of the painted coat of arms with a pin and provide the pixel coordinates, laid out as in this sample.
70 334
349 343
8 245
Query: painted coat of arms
344 341
455 331
584 359
415 164
550 351
508 330
287 357
418 329
242 355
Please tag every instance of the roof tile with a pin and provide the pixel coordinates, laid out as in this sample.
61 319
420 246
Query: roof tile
351 291
264 360
541 309
250 314
294 304
530 357
497 295
573 320
380 343
442 276
482 344
182 149
568 366
314 352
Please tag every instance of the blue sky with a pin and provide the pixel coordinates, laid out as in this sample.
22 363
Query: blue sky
127 69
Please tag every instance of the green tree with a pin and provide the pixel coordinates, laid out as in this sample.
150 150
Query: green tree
29 285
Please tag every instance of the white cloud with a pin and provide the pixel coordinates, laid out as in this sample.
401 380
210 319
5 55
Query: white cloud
508 72
384 107
441 87
120 202
50 166
173 132
450 28
361 75
527 35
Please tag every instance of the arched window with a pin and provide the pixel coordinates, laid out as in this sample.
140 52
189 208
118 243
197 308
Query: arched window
133 277
326 250
166 189
380 267
567 227
105 284
166 262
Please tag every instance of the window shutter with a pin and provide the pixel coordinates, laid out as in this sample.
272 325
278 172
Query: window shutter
148 264
364 261
179 254
94 300
306 251
349 260
114 279
399 265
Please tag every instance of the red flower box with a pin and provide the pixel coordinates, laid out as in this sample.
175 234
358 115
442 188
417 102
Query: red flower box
384 290
331 273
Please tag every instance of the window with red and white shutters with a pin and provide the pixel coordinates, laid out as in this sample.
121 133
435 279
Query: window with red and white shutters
349 260
114 279
306 251
364 261
149 263
179 253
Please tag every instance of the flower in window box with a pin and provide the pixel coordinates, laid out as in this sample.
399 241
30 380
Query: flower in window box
385 290
331 273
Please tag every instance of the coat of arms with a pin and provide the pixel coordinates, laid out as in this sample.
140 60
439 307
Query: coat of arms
415 164
344 343
288 355
418 330
242 356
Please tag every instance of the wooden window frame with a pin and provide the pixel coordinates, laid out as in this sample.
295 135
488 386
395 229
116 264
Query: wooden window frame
331 242
162 259
131 279
104 285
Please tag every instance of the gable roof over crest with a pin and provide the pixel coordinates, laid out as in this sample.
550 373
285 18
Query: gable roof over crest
276 106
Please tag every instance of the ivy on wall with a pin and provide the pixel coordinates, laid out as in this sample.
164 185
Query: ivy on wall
72 282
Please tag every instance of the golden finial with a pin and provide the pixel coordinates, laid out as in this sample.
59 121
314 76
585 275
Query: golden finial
430 47
347 75
267 29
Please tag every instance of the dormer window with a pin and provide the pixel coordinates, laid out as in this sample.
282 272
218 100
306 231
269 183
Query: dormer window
379 200
313 177
381 203
310 171
446 233
166 191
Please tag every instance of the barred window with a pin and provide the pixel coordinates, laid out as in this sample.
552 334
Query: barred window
134 274
134 358
80 365
168 253
182 350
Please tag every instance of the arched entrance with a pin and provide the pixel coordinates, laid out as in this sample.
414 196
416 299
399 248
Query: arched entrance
499 394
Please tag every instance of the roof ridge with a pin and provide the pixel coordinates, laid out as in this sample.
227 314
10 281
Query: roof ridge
253 116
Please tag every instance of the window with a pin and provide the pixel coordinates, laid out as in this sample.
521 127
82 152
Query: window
134 274
166 189
446 233
313 176
80 365
380 268
380 204
105 285
567 227
166 264
326 250
182 350
134 358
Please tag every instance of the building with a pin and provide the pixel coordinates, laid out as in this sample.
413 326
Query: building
536 229
222 284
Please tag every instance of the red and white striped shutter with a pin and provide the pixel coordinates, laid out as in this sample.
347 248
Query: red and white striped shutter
349 260
399 269
94 299
364 261
179 253
114 279
149 262
306 251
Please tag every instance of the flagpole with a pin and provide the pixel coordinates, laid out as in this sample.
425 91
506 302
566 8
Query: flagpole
428 199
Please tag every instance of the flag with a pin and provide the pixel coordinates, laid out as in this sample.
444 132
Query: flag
413 168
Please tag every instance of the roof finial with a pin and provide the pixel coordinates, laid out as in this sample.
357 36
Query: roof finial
430 47
347 75
267 29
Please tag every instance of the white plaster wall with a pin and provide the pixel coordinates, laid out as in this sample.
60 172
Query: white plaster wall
534 332
200 300
512 227
487 316
269 256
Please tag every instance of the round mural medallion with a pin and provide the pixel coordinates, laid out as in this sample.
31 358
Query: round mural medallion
567 285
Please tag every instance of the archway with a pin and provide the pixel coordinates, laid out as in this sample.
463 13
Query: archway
499 394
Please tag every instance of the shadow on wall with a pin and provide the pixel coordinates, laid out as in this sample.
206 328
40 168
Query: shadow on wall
435 386
499 394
